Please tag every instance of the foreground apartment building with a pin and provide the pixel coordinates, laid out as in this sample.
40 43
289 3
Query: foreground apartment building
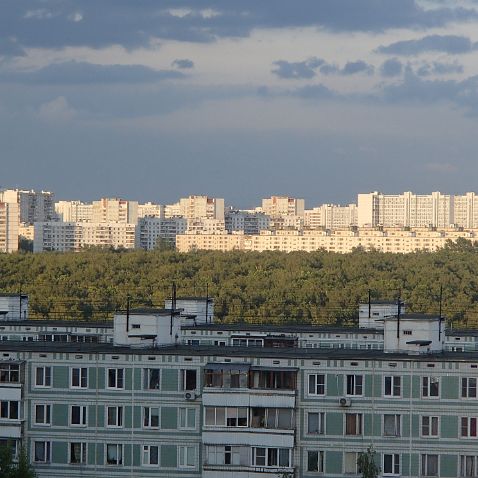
167 393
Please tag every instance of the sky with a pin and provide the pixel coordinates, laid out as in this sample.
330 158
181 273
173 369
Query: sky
153 100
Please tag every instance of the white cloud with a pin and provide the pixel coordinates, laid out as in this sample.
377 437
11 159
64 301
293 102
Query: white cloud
75 17
56 110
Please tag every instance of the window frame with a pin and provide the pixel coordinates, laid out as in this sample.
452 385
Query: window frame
316 385
119 416
183 450
320 461
394 464
358 424
469 427
351 389
147 378
46 451
146 451
120 448
9 408
119 374
430 426
83 453
424 458
149 426
397 418
393 386
321 423
465 385
427 388
46 377
80 378
186 411
47 409
83 416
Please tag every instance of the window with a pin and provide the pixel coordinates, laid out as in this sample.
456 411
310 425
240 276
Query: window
226 416
79 377
317 384
9 373
41 451
9 409
468 427
353 423
189 379
12 444
150 455
151 378
315 461
391 425
430 387
350 463
315 423
43 377
114 417
272 457
227 455
78 415
116 378
114 454
468 466
468 387
429 465
391 464
77 453
187 418
354 385
187 457
392 386
275 418
429 426
42 414
150 417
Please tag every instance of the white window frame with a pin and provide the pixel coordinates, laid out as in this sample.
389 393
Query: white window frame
147 414
267 464
430 426
314 384
146 374
358 424
83 453
355 471
119 374
320 461
9 409
146 455
424 457
46 377
468 427
119 416
393 386
83 415
397 419
46 413
82 377
426 387
183 456
465 384
183 418
356 388
462 466
396 463
47 451
183 375
119 454
321 420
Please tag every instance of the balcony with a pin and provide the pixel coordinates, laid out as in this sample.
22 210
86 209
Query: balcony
241 471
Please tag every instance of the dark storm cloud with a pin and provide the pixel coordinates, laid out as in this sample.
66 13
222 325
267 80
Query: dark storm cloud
183 63
451 44
60 23
300 69
75 72
391 67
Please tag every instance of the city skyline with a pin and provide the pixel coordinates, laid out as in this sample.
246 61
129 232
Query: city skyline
238 100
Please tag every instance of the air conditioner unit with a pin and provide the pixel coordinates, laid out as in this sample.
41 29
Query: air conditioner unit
189 396
345 402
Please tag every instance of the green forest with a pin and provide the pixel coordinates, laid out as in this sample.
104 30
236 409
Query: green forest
274 287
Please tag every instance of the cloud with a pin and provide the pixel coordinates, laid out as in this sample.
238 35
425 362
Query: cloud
57 109
182 63
134 24
439 68
391 67
451 44
74 72
301 69
353 67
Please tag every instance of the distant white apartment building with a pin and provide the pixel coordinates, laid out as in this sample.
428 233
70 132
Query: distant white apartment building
71 236
9 224
109 210
172 210
331 216
33 205
150 230
196 207
248 222
206 226
74 211
415 210
150 209
283 206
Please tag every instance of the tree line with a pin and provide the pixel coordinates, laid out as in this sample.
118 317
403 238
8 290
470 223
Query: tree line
269 287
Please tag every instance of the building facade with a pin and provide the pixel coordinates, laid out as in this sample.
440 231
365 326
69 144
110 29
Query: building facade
9 225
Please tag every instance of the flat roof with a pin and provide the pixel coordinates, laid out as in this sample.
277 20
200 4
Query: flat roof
57 323
223 351
149 311
24 296
414 316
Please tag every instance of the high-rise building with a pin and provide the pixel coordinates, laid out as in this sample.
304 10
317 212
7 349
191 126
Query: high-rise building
33 206
74 211
115 210
151 230
283 206
331 216
9 225
150 209
201 207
